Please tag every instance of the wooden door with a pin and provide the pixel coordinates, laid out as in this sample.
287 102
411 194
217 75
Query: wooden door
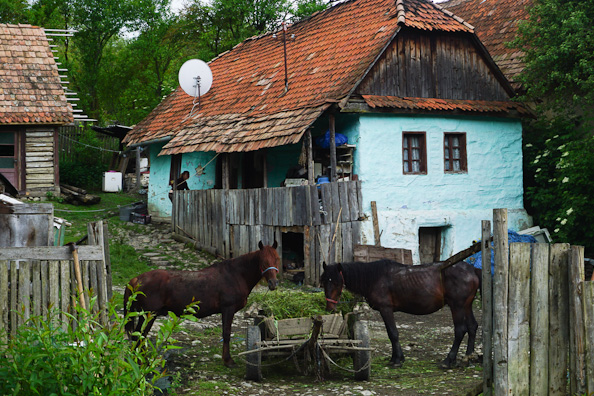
429 244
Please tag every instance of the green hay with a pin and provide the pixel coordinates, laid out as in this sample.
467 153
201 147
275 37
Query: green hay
288 304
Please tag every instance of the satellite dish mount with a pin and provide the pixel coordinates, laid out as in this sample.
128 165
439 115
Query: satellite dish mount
195 78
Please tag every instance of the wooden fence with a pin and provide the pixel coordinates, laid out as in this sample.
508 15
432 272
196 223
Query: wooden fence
540 337
70 139
232 222
36 280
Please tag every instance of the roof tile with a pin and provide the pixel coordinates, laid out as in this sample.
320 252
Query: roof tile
30 89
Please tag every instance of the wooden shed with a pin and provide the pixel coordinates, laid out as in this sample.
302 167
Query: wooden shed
33 105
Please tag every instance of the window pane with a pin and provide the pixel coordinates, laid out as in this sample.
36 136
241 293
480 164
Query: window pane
446 154
415 141
415 155
405 142
416 166
456 165
7 138
6 151
456 153
456 141
406 167
405 154
7 163
447 165
447 141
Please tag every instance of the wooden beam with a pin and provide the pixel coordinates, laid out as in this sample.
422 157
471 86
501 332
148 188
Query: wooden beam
376 231
332 148
310 161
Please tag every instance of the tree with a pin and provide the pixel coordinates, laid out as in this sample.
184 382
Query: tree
14 11
558 41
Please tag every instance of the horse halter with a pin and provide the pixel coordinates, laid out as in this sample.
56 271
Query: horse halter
269 268
343 282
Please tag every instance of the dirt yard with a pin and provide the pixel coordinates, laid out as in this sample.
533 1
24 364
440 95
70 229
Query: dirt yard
197 368
426 340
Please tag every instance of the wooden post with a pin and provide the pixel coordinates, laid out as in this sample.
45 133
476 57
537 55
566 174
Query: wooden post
137 168
487 299
539 320
577 352
558 319
588 303
4 307
332 149
519 320
310 160
225 170
500 295
376 231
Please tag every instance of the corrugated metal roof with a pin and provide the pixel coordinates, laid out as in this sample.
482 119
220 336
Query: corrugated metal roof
30 86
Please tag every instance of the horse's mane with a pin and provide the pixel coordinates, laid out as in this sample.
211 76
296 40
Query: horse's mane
361 276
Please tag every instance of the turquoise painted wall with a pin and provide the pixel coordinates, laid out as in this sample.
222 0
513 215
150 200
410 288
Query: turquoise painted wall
158 192
455 202
278 162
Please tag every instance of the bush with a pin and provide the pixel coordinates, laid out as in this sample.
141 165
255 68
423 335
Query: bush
84 168
43 359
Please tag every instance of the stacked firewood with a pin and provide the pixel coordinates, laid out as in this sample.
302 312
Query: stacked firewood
78 196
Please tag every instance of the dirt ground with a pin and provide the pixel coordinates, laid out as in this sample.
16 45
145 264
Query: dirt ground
197 368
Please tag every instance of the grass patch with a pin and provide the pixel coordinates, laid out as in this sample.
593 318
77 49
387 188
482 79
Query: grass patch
126 263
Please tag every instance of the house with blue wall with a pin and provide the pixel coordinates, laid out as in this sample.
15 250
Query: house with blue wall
434 138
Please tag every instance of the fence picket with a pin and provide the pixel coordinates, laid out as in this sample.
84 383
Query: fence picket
588 304
558 319
3 298
576 319
500 299
539 320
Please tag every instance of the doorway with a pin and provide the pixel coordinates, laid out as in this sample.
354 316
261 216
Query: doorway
430 244
292 256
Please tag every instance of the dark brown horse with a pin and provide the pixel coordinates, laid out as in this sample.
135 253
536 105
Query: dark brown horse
389 286
221 288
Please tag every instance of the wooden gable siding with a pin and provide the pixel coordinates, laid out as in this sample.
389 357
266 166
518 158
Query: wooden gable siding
40 162
429 65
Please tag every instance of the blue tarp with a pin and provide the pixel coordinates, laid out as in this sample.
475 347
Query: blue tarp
476 259
324 140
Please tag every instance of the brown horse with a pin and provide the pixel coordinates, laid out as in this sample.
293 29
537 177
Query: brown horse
389 286
221 288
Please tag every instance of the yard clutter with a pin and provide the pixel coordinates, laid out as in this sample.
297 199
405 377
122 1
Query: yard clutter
78 196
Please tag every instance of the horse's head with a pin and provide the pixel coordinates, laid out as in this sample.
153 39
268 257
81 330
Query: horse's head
269 262
333 283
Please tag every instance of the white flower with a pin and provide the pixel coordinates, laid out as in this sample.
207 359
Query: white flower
545 153
569 211
535 161
565 180
556 230
529 145
548 140
538 170
558 219
565 154
561 147
555 137
564 221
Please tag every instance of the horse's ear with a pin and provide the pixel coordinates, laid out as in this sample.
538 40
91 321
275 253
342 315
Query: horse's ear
275 244
324 265
260 245
339 267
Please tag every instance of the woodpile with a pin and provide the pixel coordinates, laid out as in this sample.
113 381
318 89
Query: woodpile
78 196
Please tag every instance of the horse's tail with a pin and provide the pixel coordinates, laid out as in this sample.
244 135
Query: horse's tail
132 285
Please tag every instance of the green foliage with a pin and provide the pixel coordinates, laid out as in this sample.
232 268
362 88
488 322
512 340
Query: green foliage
558 41
559 180
87 359
13 11
84 168
287 304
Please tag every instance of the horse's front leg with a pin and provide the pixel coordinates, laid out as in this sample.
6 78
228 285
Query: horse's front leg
227 316
459 330
397 355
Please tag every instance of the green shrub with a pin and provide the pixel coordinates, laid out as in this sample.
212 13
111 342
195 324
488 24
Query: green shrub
87 359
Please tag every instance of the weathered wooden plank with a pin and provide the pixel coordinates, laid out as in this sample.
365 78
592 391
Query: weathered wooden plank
588 304
500 300
577 353
487 302
347 241
359 200
336 208
539 320
64 292
93 282
14 304
84 266
315 205
102 291
307 262
50 253
519 319
45 288
4 306
326 190
345 215
224 223
353 204
36 295
24 291
558 319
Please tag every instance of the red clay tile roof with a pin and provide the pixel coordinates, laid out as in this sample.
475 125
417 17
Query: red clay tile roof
478 106
30 89
495 23
247 107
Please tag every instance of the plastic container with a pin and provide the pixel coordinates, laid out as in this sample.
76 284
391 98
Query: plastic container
112 181
126 212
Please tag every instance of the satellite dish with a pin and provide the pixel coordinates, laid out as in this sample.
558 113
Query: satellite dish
195 77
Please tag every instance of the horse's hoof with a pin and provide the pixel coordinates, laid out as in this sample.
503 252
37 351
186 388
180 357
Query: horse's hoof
394 364
230 364
446 365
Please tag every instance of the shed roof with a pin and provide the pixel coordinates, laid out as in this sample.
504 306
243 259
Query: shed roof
30 88
247 107
496 24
